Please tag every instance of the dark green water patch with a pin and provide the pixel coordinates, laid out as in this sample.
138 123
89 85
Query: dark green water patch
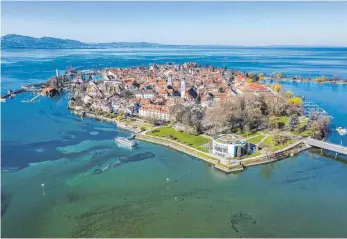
240 218
294 180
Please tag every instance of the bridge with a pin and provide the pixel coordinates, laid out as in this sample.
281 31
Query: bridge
325 145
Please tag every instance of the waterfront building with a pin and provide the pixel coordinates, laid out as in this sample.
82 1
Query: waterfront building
155 112
253 89
229 147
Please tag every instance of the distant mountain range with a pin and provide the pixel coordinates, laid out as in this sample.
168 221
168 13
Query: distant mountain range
14 41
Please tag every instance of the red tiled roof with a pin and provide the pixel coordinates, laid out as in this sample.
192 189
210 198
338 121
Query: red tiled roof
240 78
253 87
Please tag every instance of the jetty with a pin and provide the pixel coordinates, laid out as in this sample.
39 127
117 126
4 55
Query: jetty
9 94
312 109
326 145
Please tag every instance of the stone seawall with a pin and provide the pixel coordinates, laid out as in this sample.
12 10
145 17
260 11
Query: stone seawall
190 151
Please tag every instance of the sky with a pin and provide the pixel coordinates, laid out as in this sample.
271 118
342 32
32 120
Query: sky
216 23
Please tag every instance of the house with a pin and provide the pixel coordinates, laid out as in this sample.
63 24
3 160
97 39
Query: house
164 93
240 79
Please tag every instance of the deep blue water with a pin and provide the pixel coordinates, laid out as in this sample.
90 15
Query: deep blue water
302 196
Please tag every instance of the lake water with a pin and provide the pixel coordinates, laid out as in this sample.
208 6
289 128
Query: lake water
49 155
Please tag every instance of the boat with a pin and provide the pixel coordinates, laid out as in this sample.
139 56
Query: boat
129 142
342 131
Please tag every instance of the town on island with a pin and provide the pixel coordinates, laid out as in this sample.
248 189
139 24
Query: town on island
228 118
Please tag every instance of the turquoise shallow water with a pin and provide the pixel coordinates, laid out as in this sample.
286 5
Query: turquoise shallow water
302 196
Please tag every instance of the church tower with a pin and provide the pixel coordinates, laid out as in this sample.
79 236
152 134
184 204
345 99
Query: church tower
169 81
183 87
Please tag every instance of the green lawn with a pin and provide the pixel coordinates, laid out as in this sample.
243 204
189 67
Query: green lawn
182 137
268 142
306 133
255 139
283 119
303 121
249 134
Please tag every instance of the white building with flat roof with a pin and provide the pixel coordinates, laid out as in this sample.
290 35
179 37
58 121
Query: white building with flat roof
228 147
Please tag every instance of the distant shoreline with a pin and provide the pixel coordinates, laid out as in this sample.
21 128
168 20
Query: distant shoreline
308 81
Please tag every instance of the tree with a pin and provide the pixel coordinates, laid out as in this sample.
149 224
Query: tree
294 122
261 76
320 79
272 123
336 78
280 139
136 85
320 127
247 130
253 76
288 94
263 106
295 101
276 87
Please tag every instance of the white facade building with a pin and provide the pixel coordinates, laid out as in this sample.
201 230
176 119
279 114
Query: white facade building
155 112
144 94
228 147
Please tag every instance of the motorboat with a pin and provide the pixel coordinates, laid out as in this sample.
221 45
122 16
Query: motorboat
342 131
129 142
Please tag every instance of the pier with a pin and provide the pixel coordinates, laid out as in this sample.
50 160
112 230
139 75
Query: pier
312 109
325 145
13 93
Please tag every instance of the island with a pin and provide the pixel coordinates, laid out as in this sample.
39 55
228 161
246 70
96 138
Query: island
228 118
